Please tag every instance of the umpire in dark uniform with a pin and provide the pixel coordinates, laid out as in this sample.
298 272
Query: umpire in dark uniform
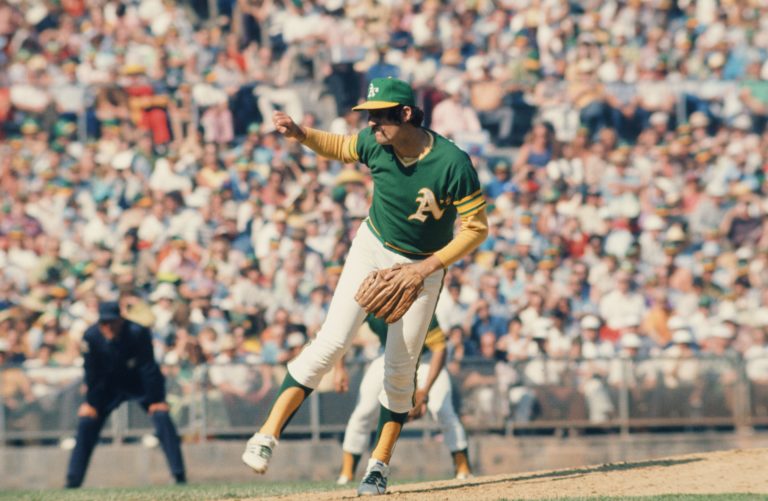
120 365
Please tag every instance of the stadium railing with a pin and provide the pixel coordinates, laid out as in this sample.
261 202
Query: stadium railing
539 395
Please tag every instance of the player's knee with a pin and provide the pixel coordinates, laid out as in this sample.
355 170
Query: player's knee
399 385
331 346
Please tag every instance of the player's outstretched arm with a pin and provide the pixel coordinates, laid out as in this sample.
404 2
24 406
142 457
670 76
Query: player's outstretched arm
333 146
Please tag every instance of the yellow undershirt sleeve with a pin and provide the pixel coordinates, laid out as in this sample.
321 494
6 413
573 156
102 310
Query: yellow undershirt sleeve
474 229
435 340
333 146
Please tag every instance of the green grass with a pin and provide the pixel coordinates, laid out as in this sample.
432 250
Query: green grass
261 489
192 492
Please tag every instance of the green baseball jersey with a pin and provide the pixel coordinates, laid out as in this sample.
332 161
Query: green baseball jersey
435 336
414 207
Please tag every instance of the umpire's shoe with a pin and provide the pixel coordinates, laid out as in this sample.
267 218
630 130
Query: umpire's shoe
258 452
375 480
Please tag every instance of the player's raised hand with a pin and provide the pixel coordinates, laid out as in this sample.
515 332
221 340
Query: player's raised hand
286 126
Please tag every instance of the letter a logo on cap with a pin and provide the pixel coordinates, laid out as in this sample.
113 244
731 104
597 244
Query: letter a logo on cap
372 91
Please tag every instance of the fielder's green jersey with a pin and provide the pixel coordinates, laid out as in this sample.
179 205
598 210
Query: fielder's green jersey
414 207
435 337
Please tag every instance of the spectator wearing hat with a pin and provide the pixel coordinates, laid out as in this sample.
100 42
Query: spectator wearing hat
633 372
718 371
501 181
680 371
120 365
593 369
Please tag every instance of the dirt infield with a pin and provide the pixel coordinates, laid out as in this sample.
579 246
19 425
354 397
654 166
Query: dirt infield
736 471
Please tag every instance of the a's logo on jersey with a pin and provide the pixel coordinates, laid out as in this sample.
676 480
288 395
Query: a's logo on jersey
427 203
372 91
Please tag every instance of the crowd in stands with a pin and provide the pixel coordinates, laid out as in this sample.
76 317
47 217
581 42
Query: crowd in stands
622 145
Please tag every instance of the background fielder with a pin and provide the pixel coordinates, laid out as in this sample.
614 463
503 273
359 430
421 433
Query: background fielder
422 181
434 392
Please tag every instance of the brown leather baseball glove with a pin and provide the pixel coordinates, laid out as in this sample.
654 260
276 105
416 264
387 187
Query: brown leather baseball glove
390 292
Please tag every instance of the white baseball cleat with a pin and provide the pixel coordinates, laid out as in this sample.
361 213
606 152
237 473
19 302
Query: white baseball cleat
343 480
464 476
375 480
258 452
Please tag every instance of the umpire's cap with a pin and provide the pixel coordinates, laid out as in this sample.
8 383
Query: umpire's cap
109 311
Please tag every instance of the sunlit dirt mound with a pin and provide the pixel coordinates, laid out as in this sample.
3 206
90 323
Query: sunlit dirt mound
736 471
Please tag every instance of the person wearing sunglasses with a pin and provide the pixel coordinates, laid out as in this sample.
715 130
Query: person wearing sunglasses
421 183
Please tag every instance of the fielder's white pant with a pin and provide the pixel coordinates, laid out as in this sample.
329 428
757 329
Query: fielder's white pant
405 337
366 413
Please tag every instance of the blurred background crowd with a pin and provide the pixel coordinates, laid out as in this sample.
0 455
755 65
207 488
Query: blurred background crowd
622 145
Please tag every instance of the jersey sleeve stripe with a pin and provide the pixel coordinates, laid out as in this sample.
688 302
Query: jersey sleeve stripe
467 198
473 210
469 202
353 148
470 206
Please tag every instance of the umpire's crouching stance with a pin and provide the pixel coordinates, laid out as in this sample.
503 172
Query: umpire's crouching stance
119 366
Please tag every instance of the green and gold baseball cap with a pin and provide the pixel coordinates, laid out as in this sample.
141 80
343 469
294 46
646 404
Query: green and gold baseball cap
387 93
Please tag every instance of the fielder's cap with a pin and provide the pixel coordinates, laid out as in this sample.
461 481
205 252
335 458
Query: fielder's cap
387 93
109 311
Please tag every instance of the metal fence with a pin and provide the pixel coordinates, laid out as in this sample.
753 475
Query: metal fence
536 395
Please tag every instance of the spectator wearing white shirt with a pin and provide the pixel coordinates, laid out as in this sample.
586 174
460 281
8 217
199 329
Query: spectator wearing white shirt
621 302
182 221
453 117
451 310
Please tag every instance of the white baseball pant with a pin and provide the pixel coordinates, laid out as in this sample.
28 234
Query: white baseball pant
440 406
405 337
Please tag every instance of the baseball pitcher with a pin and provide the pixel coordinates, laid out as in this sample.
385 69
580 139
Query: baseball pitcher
395 266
